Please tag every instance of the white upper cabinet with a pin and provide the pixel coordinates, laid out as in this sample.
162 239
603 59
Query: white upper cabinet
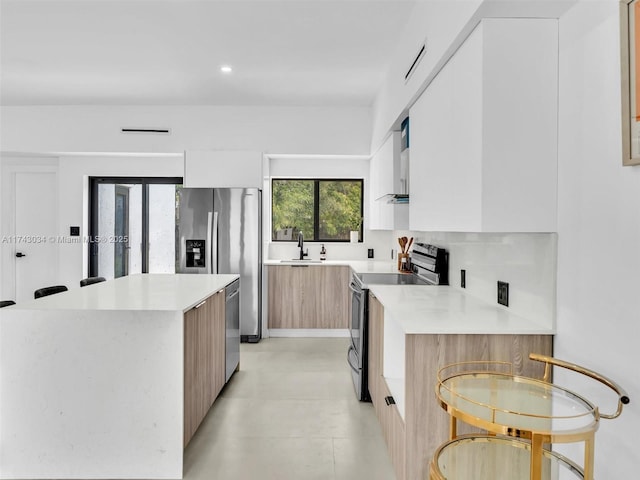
220 169
384 178
484 133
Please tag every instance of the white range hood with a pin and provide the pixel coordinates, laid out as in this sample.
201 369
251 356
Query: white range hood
400 195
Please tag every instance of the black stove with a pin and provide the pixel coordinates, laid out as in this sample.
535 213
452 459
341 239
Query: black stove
429 266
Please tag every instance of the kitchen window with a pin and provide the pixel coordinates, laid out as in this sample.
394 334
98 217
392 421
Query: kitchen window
324 210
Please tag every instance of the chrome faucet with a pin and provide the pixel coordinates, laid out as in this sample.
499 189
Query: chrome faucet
301 245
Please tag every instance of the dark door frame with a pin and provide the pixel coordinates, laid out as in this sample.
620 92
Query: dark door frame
119 246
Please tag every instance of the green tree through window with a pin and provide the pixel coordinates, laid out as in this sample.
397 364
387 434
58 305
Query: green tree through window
323 209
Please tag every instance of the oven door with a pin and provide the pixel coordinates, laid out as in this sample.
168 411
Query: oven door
356 371
357 354
357 314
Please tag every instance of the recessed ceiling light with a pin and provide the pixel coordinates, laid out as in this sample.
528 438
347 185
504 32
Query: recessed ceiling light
226 69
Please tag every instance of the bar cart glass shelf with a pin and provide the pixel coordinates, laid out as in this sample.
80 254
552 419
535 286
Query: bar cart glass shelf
498 458
523 417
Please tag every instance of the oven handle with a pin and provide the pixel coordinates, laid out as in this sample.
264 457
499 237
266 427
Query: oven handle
355 369
353 289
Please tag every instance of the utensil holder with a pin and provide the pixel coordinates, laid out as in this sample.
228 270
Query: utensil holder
404 262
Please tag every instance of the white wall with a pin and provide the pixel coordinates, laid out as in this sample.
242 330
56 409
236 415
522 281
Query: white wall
306 130
598 225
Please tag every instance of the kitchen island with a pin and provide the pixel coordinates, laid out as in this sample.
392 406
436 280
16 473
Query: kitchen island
104 381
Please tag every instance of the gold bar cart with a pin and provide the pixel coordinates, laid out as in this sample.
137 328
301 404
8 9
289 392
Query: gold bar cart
522 416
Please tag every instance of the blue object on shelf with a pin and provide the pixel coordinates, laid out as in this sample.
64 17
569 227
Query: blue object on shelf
404 134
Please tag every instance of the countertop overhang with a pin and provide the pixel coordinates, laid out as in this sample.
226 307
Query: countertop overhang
446 310
159 292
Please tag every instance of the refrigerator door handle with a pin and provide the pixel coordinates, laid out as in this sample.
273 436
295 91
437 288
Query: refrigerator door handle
214 244
207 254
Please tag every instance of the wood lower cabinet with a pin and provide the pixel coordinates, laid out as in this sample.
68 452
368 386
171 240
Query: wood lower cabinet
309 296
413 440
204 360
376 331
393 426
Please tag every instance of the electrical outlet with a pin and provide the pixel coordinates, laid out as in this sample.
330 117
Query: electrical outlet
463 278
503 293
369 252
392 254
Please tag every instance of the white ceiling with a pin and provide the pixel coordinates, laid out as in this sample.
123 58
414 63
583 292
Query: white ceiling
137 52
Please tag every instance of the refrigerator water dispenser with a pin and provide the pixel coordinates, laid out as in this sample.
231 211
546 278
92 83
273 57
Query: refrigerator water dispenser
195 253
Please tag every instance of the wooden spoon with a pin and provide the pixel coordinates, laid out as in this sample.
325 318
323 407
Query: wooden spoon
410 242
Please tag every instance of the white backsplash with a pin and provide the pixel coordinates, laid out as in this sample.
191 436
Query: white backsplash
378 240
527 261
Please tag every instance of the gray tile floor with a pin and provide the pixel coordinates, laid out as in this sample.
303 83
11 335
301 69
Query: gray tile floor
289 413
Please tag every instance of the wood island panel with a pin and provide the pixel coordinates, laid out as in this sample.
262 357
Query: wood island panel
193 396
204 360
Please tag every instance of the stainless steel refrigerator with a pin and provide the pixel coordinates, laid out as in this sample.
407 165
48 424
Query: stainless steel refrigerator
219 230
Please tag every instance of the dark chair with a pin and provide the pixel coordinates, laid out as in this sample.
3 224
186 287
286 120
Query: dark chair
6 303
43 292
91 280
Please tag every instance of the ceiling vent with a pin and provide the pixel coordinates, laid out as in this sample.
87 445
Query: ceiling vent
416 61
150 131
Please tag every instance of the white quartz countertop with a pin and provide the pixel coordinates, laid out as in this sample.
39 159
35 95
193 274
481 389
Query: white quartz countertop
163 292
358 266
446 310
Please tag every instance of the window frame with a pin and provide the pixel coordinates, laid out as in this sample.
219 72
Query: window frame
94 182
316 207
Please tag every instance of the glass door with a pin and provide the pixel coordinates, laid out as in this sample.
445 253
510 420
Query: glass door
132 225
121 232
